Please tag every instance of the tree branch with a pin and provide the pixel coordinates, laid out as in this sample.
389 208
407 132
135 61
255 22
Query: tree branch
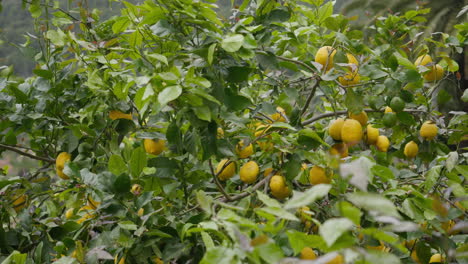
288 59
29 155
254 188
311 95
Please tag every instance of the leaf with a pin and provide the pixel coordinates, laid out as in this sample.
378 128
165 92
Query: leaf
270 252
267 200
203 112
120 25
299 240
122 184
128 225
159 57
451 161
117 164
373 202
99 253
300 199
353 101
359 170
431 177
204 201
210 54
218 255
138 161
279 212
232 43
57 37
349 211
43 73
169 94
207 240
383 172
15 258
333 228
376 256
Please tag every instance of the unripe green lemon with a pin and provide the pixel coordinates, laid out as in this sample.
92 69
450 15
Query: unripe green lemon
397 104
389 119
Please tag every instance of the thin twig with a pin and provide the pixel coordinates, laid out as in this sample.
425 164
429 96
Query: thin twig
254 188
262 114
29 155
311 95
288 59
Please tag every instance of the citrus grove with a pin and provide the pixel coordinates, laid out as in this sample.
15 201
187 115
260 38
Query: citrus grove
281 134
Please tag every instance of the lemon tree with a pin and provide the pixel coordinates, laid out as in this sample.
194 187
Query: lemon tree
172 134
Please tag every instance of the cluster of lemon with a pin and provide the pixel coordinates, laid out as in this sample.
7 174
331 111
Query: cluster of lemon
435 73
325 57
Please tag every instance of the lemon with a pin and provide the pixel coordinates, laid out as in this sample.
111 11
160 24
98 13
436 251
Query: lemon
228 171
409 244
389 119
372 134
435 74
122 261
382 143
308 253
265 146
158 261
423 60
325 56
428 130
244 152
411 149
350 78
115 114
261 130
136 189
304 213
397 104
339 149
447 226
60 161
317 175
351 59
69 213
388 110
248 172
351 132
141 212
279 115
337 260
219 132
361 117
92 203
267 172
154 147
262 239
335 128
414 256
19 202
278 187
380 247
436 258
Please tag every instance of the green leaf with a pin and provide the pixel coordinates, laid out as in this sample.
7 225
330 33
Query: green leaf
376 256
349 211
325 11
267 200
35 9
451 161
46 74
204 201
431 177
15 258
270 252
122 184
218 255
169 94
128 225
353 101
299 240
117 164
333 228
358 171
207 240
120 25
279 212
404 61
300 199
383 172
138 161
232 43
203 112
57 37
211 51
373 202
159 57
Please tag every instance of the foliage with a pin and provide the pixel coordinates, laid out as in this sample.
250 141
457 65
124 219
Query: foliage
198 85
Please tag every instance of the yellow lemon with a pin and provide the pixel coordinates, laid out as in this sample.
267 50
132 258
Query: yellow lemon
244 152
261 130
351 59
278 187
361 117
92 203
158 261
436 258
411 149
228 171
154 147
115 114
335 128
339 149
428 130
308 253
350 78
337 260
69 213
351 132
141 212
122 260
60 161
248 172
317 175
423 60
279 115
380 247
435 74
372 134
388 109
267 172
414 256
19 202
85 217
382 143
136 189
304 213
219 132
325 56
447 226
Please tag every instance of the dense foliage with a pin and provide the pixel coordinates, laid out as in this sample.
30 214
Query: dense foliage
167 134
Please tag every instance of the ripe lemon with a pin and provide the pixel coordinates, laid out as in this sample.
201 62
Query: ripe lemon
388 109
337 260
261 130
248 172
382 143
335 128
60 161
372 134
154 147
397 104
351 132
140 212
278 187
436 258
244 152
279 115
423 60
361 117
158 261
411 149
136 189
350 78
351 59
19 202
389 119
339 149
428 130
92 203
219 132
317 175
228 171
308 253
69 213
435 74
325 56
267 172
122 260
115 114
